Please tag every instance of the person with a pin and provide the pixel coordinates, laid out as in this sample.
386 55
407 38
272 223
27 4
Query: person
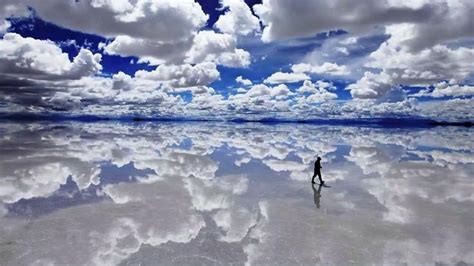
317 171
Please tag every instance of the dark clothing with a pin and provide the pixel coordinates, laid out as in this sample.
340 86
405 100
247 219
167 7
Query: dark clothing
317 165
319 176
317 171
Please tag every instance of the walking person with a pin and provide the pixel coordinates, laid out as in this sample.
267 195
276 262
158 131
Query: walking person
317 171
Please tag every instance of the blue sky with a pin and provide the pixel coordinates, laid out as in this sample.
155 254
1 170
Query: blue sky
234 59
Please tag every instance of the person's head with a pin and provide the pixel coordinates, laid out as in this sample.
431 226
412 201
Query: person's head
319 158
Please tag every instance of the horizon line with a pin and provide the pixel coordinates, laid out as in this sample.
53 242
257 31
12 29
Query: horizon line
381 121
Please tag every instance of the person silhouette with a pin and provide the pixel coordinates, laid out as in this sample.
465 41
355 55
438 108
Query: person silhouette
317 171
317 195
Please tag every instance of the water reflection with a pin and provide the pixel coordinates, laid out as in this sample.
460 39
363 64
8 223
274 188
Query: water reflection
317 194
197 193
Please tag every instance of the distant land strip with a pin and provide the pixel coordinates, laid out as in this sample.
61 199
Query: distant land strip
386 122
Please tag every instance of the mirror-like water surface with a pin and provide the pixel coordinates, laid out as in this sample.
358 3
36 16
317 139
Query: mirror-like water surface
219 194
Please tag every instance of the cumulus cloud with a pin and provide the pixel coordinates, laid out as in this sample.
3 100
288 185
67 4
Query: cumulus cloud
310 87
453 24
411 57
205 46
371 86
182 75
318 92
243 81
149 51
331 69
260 98
421 49
238 19
258 90
36 72
280 91
283 19
145 19
326 68
402 67
443 89
142 29
219 48
416 68
43 60
43 76
389 45
284 77
449 110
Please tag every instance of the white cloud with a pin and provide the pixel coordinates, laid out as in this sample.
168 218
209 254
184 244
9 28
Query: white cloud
280 90
258 90
260 98
157 32
37 73
318 93
237 58
283 19
143 19
400 64
40 59
205 46
423 67
443 89
150 51
301 68
122 81
318 86
238 19
452 23
182 75
369 108
426 44
219 48
371 86
331 69
326 68
283 77
449 110
245 82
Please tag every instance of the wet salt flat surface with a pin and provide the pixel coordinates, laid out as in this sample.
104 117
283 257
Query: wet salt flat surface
220 194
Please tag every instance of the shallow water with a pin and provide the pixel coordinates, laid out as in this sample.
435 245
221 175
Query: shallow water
219 194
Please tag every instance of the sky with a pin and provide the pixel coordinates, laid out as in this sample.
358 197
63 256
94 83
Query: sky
228 59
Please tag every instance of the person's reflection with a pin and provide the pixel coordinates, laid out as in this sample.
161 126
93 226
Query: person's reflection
317 195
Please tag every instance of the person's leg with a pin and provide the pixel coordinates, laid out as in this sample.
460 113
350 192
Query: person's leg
320 178
312 180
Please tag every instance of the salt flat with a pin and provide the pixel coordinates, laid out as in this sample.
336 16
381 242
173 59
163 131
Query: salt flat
193 193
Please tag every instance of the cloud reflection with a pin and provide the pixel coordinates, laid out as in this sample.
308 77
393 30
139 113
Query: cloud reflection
173 189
